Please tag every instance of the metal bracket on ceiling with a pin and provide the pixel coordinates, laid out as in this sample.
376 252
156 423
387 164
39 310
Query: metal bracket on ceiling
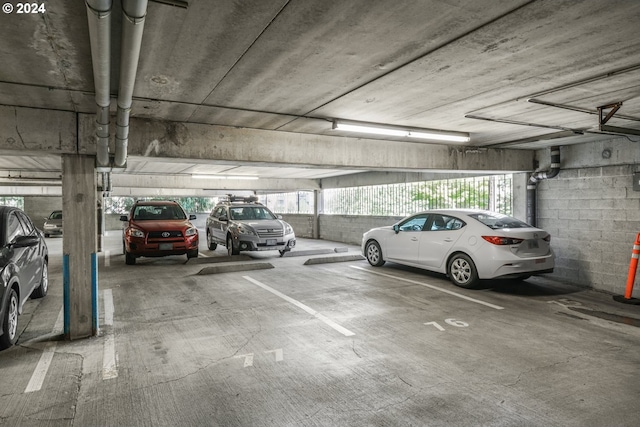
610 110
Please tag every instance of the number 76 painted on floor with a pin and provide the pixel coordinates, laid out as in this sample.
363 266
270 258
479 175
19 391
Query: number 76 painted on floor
452 322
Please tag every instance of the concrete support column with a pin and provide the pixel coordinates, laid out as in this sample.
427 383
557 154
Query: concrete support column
317 201
520 195
80 277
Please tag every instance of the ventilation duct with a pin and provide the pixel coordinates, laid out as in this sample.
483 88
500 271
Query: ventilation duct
533 181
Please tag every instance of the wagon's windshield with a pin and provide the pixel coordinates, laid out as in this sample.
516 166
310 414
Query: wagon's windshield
497 221
250 212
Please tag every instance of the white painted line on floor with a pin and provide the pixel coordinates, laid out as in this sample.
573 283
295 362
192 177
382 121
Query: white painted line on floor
201 255
107 258
326 320
107 297
37 378
455 294
109 368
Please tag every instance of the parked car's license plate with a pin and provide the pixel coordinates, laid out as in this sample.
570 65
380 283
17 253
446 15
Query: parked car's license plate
166 246
271 242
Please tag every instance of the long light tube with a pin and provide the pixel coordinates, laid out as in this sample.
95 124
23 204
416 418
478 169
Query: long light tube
240 177
394 131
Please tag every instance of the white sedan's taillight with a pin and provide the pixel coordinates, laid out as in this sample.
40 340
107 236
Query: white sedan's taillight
502 241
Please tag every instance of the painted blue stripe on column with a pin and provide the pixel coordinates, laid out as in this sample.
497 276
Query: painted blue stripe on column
94 291
66 299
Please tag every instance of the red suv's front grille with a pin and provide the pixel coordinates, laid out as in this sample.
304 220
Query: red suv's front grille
164 234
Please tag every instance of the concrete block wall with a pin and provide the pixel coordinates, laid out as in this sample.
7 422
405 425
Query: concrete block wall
349 229
38 208
302 224
593 216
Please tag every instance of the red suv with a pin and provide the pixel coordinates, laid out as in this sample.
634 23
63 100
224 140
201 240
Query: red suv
158 228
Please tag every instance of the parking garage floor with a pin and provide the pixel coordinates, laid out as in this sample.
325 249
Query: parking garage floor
270 341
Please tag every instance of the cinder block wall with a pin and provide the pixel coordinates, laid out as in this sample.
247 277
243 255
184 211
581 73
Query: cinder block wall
593 216
38 208
349 229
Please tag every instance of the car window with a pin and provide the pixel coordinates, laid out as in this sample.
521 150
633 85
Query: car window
158 212
415 223
445 222
26 222
497 221
55 215
14 228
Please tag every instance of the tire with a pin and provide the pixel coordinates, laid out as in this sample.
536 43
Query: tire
10 325
192 254
462 271
129 259
41 290
374 254
210 243
46 235
230 249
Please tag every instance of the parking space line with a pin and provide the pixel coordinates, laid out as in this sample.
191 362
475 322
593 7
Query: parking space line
344 331
455 294
37 378
109 366
107 296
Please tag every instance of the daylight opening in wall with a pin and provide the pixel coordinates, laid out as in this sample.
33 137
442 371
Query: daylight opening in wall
485 192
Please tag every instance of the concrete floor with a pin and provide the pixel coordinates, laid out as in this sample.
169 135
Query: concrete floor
328 344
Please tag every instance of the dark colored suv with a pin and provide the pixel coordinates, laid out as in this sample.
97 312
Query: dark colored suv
156 229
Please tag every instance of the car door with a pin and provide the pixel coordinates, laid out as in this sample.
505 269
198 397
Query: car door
438 237
403 246
36 252
21 255
219 228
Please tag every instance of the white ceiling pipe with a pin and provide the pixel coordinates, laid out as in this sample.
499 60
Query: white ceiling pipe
133 16
99 20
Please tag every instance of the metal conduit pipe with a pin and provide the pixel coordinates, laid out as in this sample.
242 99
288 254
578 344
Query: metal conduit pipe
133 17
99 20
533 181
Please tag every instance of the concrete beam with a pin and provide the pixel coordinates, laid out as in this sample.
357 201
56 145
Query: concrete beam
29 190
161 139
189 186
31 131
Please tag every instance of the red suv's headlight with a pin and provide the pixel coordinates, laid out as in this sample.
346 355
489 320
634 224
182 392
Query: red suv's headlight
191 231
134 232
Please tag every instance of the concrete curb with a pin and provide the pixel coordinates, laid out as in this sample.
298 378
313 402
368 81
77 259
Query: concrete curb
231 268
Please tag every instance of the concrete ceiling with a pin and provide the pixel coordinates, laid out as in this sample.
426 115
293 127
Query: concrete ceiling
512 74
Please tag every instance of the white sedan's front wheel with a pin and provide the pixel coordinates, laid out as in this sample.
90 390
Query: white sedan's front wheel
462 271
374 254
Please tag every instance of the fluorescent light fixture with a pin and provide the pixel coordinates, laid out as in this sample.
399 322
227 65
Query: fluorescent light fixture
376 129
239 177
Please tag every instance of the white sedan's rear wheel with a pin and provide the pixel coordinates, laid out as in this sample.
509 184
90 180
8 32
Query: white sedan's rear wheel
462 271
374 254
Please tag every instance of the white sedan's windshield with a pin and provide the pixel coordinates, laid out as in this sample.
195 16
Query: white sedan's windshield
499 221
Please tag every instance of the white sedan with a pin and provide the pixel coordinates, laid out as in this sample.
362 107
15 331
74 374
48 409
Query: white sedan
467 245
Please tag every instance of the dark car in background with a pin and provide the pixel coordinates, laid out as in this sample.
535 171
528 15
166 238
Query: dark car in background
53 224
24 270
157 229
